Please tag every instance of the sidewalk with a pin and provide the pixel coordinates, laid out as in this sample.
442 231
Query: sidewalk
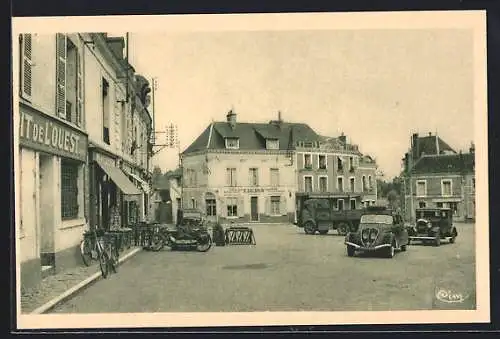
56 288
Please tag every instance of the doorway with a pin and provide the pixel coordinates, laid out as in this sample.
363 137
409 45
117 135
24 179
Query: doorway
44 206
254 209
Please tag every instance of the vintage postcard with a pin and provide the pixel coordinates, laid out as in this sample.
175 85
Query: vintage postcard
260 169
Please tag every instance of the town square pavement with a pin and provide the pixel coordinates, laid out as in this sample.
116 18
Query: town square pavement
286 270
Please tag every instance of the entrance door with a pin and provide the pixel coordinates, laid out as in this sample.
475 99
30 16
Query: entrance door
353 204
46 213
254 209
340 204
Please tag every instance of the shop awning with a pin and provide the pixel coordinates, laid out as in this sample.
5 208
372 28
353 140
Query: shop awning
119 178
144 184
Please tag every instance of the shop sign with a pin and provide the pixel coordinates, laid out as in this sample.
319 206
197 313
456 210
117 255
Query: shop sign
47 134
252 190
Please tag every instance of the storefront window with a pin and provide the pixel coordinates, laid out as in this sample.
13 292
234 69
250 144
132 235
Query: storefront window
69 190
232 207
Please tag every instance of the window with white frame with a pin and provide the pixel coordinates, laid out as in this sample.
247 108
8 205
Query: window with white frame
322 161
272 144
253 178
363 183
352 184
446 187
232 207
232 143
275 178
340 184
422 204
26 65
231 176
307 161
421 188
308 184
323 184
193 203
340 164
275 205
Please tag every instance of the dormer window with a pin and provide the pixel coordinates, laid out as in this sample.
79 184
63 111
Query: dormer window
272 144
233 143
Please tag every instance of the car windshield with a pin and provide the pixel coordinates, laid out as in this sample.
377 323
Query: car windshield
376 219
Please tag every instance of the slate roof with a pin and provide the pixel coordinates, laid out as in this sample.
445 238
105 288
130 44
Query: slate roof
444 163
427 145
252 135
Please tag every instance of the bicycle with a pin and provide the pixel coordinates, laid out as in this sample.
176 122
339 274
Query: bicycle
99 247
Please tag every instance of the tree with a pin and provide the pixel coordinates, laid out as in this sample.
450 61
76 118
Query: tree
393 198
157 175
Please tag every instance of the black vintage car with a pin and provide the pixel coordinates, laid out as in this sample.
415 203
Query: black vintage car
380 230
433 225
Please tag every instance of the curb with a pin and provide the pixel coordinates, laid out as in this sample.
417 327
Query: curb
73 290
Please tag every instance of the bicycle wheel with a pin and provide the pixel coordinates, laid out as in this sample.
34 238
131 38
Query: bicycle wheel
113 258
86 251
103 263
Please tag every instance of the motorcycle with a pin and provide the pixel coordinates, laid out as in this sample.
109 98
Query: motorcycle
197 238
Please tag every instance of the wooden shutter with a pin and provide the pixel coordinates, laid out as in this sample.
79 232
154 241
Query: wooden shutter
228 177
79 88
283 209
61 75
250 177
241 210
26 65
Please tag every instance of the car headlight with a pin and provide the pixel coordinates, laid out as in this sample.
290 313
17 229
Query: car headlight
365 234
429 225
373 235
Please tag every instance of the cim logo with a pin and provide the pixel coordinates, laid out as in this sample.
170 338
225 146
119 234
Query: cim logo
450 296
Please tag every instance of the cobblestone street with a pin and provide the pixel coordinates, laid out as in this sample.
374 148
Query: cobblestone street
286 271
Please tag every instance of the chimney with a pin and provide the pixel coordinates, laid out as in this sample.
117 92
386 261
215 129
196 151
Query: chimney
414 146
342 138
279 117
116 44
231 118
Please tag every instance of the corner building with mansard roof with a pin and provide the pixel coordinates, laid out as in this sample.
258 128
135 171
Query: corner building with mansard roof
253 172
243 172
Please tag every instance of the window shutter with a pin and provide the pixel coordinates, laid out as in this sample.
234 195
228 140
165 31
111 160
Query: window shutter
268 206
26 65
250 177
79 88
228 177
241 210
283 209
61 75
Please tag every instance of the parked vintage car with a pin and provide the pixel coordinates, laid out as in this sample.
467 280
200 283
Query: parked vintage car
433 224
380 230
319 214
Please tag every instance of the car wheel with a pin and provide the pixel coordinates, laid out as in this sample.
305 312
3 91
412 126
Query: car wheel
323 232
437 241
350 251
309 228
389 251
453 236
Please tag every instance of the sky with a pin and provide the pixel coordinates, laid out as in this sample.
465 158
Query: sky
376 86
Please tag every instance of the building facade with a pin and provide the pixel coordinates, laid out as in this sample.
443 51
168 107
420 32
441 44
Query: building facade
243 172
437 176
252 172
51 177
119 134
331 166
73 132
168 189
